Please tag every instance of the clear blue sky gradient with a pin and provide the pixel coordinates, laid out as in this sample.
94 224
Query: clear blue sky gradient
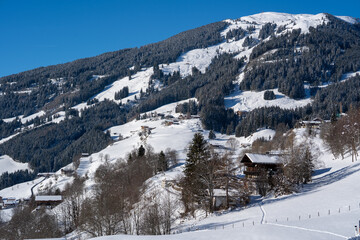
36 33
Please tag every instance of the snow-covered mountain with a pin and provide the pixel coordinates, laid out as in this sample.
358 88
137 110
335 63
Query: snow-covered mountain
266 52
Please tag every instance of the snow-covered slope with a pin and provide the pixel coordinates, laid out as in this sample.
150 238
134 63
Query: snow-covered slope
7 164
326 208
291 21
334 187
249 100
138 81
201 58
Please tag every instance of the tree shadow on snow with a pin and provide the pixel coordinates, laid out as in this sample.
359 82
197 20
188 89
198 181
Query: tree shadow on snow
320 182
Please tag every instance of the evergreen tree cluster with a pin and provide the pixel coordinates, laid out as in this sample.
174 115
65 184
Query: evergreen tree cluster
336 98
269 95
190 107
323 55
249 42
206 170
123 93
10 179
267 30
270 117
236 34
8 128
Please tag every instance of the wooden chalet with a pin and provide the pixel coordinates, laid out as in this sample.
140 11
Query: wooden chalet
255 163
48 200
314 123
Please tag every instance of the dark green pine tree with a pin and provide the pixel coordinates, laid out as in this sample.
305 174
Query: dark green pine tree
308 165
212 135
163 164
333 117
192 186
141 151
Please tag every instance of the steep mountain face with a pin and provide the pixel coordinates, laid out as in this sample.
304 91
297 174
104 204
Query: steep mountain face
307 62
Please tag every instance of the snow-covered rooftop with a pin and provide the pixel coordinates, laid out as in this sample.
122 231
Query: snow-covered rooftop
48 198
264 159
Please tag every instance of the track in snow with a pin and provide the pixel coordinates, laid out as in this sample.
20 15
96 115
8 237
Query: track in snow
310 230
263 221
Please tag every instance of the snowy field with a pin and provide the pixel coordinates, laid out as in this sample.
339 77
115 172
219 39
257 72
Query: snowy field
250 100
19 191
7 164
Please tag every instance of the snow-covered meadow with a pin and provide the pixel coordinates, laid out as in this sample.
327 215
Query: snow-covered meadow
7 164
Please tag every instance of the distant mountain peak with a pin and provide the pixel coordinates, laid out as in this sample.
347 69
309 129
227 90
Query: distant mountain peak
290 21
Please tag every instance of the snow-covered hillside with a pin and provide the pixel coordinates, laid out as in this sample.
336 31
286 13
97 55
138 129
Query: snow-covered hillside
201 58
326 208
334 188
249 100
7 164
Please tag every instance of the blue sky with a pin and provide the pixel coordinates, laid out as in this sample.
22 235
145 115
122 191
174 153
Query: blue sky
38 33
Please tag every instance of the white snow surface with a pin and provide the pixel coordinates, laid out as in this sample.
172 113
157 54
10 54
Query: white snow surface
48 198
291 21
25 119
260 158
346 76
8 138
21 190
250 100
7 164
348 19
138 81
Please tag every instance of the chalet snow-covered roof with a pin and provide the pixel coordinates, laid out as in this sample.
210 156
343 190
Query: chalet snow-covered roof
262 159
222 193
48 198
